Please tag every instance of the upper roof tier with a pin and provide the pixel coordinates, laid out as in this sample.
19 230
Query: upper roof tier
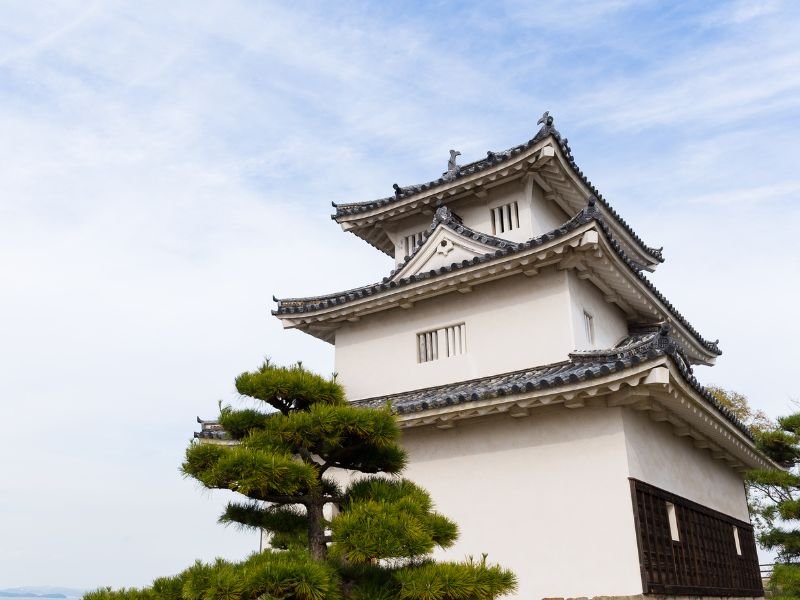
547 156
452 254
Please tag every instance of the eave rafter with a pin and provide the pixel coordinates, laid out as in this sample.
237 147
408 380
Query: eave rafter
655 388
583 245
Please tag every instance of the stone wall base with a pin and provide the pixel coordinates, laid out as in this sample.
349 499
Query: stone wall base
660 597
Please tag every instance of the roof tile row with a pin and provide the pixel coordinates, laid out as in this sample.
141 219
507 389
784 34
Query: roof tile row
582 366
504 247
493 158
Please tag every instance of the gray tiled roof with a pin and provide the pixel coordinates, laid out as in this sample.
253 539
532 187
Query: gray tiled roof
581 366
210 430
493 158
290 306
641 346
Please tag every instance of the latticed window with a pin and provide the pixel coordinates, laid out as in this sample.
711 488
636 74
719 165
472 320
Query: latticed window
686 549
442 343
412 242
505 218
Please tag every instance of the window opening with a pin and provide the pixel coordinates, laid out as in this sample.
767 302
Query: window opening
412 242
505 218
588 324
673 522
453 338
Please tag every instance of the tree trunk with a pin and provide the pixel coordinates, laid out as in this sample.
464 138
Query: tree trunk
316 531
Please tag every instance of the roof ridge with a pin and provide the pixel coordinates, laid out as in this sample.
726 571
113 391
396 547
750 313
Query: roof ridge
492 158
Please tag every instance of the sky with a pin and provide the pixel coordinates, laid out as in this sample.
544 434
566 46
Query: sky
165 168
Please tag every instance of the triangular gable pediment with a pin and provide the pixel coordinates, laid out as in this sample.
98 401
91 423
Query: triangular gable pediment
446 245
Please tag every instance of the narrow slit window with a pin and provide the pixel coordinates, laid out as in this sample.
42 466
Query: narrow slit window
427 346
672 516
736 541
588 324
412 242
456 340
505 218
453 340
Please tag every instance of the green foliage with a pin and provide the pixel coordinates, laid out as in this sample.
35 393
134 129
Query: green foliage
268 575
470 580
781 446
289 388
123 594
775 494
785 582
239 423
756 420
286 523
386 518
279 459
345 436
255 474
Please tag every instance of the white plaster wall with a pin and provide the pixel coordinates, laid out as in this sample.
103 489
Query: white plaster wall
397 231
546 215
546 496
536 214
660 458
511 324
610 324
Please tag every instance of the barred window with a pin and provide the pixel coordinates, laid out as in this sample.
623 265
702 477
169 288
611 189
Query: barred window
453 340
505 218
412 242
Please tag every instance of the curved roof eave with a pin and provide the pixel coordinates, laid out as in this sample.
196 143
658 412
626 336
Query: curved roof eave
493 159
288 307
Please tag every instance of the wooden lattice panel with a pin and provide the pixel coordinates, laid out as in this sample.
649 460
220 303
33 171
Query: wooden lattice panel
705 560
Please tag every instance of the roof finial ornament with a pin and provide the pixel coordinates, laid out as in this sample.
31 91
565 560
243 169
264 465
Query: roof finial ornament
397 189
452 167
443 214
545 119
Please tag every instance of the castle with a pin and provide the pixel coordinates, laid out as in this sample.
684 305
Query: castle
544 385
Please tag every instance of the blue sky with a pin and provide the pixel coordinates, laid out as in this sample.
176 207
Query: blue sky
166 167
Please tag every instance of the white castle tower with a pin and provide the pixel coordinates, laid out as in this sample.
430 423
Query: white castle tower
544 385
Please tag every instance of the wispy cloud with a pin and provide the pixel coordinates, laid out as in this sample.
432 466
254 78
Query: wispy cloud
166 168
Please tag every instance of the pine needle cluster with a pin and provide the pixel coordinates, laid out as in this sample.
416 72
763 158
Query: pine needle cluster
333 535
775 503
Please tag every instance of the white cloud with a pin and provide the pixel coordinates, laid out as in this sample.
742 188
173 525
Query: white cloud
164 169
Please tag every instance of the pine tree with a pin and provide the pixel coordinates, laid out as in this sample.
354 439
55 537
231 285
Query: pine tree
775 502
284 463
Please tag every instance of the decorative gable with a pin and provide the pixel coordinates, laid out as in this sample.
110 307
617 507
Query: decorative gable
446 242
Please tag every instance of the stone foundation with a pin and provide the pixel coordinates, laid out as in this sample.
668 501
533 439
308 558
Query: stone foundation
660 597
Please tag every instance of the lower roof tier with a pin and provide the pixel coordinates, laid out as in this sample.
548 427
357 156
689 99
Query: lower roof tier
646 372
